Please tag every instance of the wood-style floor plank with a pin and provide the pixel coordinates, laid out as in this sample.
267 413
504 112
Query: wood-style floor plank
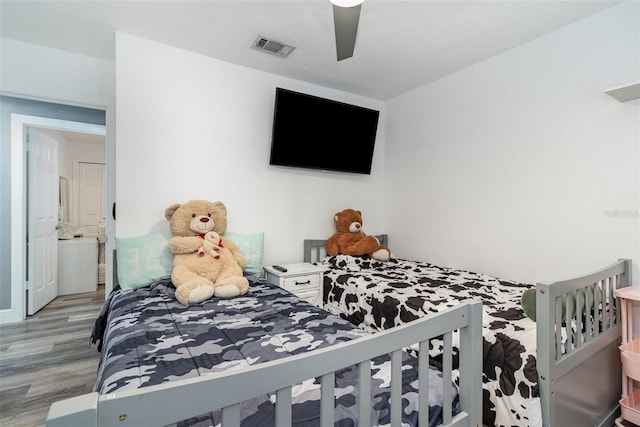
47 358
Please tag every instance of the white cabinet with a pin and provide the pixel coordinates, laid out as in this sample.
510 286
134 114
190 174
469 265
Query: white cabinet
77 265
302 279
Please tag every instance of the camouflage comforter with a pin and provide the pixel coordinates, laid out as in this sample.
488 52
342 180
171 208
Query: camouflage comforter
377 296
146 337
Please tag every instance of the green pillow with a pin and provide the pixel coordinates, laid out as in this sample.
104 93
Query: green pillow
528 301
144 259
252 247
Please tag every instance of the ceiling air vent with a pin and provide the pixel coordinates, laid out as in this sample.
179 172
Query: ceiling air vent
272 46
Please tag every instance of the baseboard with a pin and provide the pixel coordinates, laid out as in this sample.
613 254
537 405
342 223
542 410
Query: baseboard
9 315
610 419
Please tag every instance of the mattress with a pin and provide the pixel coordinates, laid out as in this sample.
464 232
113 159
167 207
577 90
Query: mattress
146 337
379 295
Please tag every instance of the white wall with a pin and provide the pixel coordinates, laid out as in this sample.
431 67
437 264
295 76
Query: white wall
520 166
30 72
65 167
192 127
55 75
86 151
70 149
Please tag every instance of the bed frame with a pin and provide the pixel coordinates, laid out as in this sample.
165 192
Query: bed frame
582 385
171 402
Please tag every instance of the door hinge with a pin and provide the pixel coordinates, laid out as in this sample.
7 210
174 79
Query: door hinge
27 285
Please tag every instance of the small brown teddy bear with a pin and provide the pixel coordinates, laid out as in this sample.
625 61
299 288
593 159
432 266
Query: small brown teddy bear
196 277
350 240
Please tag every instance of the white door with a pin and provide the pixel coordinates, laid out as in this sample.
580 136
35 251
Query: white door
91 196
42 233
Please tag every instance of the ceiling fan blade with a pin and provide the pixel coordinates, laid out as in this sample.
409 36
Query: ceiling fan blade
345 20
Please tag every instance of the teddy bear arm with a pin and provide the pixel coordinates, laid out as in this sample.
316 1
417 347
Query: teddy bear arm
332 245
371 243
184 244
360 245
235 251
345 243
355 249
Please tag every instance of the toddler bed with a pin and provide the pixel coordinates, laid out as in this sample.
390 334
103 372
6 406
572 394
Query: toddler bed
563 370
269 358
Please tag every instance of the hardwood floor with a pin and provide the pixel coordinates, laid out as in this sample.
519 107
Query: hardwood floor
47 358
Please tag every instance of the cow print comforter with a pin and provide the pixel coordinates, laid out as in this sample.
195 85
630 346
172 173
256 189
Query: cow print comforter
376 296
146 337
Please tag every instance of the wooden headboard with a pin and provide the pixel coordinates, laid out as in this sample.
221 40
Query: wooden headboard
314 250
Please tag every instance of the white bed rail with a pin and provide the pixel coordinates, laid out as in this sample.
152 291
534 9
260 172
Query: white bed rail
578 361
169 403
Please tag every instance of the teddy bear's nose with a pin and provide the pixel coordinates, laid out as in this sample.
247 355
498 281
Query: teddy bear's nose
205 219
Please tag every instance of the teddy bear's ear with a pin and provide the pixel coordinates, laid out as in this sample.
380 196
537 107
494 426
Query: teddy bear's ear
168 213
336 216
221 206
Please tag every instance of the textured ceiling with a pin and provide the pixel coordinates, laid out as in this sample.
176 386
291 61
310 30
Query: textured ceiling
400 45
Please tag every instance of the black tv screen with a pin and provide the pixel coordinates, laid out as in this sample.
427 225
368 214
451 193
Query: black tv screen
318 133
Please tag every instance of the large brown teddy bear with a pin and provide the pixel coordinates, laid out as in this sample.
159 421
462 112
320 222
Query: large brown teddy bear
350 240
197 277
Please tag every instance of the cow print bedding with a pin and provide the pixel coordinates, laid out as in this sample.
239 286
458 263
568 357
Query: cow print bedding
146 337
379 295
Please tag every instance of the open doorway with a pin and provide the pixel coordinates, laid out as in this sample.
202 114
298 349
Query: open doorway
21 269
82 161
81 210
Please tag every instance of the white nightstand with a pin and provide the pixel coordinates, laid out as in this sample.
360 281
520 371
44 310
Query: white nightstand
303 279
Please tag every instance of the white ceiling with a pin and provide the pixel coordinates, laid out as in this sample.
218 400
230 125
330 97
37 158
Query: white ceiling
401 45
83 137
71 136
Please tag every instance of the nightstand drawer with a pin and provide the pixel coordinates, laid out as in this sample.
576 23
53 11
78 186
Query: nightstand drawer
300 283
310 296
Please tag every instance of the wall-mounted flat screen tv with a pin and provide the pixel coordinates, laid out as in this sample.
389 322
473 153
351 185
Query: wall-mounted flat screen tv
318 133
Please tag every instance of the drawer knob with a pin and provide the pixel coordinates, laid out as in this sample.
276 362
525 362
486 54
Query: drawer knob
308 282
